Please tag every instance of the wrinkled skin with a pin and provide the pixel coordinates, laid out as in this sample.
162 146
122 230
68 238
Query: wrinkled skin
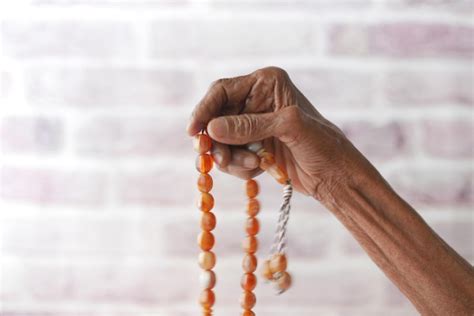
321 162
314 152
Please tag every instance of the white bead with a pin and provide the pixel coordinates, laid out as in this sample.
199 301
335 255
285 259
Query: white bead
207 279
255 146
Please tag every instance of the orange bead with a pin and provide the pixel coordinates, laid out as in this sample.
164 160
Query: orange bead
248 281
202 143
253 207
248 300
208 221
250 244
205 202
278 263
207 298
204 182
204 163
207 260
252 226
266 272
206 240
252 188
266 160
283 282
248 313
249 263
278 173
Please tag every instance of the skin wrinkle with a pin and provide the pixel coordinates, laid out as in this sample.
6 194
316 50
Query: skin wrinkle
247 124
301 172
370 244
248 100
323 163
423 274
382 224
422 245
224 94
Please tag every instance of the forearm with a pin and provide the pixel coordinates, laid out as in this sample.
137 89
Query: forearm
430 273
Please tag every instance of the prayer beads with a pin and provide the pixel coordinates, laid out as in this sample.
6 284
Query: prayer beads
207 259
252 227
274 269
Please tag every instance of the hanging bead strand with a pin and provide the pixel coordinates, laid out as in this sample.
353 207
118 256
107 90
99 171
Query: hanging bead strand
207 258
250 245
274 268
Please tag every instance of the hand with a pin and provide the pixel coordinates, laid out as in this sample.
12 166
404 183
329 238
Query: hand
265 105
321 162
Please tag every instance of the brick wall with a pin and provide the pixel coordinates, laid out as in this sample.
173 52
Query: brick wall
97 178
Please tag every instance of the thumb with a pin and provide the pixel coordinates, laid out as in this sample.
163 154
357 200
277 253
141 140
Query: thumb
243 128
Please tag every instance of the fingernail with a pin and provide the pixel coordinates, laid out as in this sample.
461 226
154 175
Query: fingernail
250 162
217 157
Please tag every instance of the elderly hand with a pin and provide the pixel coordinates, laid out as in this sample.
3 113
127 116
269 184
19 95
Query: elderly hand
321 162
266 105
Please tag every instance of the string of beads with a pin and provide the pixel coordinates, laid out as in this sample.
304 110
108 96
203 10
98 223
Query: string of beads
207 258
274 269
250 246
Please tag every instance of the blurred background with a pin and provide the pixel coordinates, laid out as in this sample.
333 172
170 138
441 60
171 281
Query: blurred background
97 174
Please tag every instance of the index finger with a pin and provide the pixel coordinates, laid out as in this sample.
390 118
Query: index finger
224 94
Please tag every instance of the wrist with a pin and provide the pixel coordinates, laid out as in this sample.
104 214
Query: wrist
353 172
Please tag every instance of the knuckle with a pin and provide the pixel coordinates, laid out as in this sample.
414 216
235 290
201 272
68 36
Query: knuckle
215 84
220 82
217 92
292 123
293 115
274 72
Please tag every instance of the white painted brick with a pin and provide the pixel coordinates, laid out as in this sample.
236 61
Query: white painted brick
295 5
429 88
323 87
232 38
65 39
449 138
31 134
438 187
463 7
132 137
379 141
5 84
108 87
403 40
74 237
52 187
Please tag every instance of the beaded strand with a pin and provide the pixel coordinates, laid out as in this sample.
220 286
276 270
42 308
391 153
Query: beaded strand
274 269
207 258
250 246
